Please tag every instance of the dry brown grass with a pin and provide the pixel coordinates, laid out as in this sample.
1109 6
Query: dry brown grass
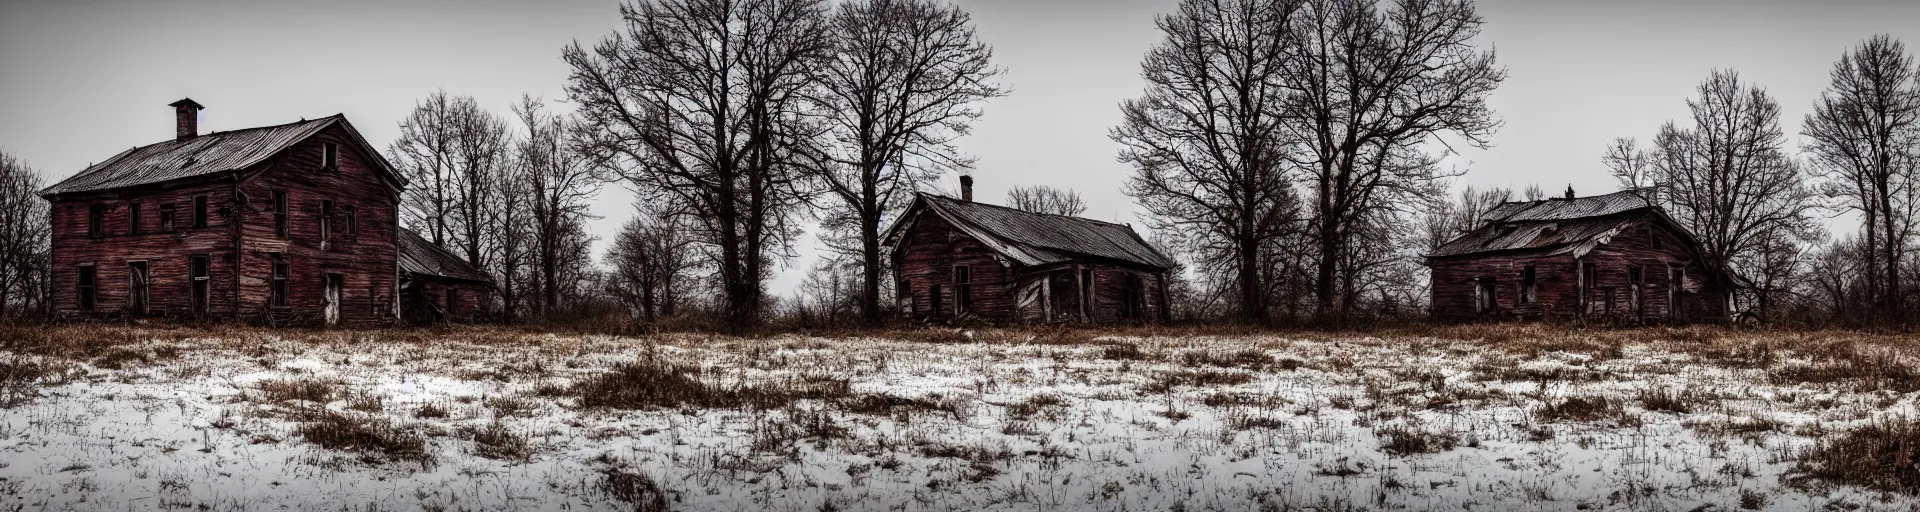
649 383
376 439
1586 408
21 378
496 441
307 389
635 489
1882 455
1166 381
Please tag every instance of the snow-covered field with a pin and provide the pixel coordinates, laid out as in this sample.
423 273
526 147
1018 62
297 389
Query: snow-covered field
1473 418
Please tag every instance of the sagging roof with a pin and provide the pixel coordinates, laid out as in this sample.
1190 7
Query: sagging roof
197 156
1036 238
420 257
1557 226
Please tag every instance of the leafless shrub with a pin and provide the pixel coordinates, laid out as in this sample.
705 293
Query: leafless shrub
1122 351
376 439
1883 455
635 489
366 402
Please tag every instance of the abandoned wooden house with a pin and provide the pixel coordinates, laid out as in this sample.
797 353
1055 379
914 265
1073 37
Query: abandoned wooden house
958 260
288 223
1614 258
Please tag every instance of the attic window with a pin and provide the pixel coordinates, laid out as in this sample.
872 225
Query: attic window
329 156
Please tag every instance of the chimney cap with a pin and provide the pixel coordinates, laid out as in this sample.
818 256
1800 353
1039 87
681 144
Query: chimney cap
186 103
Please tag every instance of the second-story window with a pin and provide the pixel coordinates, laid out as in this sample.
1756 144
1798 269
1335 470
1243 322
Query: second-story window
166 217
96 219
326 220
133 218
353 224
199 211
280 213
330 156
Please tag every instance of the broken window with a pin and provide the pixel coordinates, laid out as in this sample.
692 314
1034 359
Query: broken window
1484 298
133 218
353 224
329 156
935 297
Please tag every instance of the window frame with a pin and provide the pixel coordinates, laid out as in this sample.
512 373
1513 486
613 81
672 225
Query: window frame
200 219
96 220
280 293
133 217
86 282
353 220
329 156
962 289
326 221
167 217
200 282
279 207
1529 284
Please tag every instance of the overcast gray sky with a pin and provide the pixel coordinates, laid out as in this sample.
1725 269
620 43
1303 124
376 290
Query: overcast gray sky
81 80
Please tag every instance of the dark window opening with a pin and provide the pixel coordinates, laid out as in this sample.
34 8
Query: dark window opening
326 220
281 272
353 221
280 213
96 217
330 156
934 298
962 289
133 218
1086 291
166 217
1484 298
202 286
1527 285
86 287
453 301
1633 290
199 211
1133 298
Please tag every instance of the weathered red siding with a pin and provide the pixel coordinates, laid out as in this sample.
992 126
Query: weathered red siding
1559 293
240 238
1003 290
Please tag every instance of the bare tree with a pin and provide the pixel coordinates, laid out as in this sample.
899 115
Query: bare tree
905 79
1375 85
1445 220
559 181
697 104
1534 193
1048 200
24 239
651 259
1207 142
1727 179
451 150
1862 136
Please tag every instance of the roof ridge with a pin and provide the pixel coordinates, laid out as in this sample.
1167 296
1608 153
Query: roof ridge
1074 217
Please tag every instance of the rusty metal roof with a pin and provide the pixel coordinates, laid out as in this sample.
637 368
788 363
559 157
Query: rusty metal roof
1558 226
191 157
1040 239
421 257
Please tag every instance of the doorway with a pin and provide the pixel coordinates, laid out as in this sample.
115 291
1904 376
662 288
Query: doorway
333 299
137 287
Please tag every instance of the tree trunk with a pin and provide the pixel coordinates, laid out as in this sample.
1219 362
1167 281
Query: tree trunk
870 270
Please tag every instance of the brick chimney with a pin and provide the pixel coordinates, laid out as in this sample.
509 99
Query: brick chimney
186 118
1569 191
966 188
